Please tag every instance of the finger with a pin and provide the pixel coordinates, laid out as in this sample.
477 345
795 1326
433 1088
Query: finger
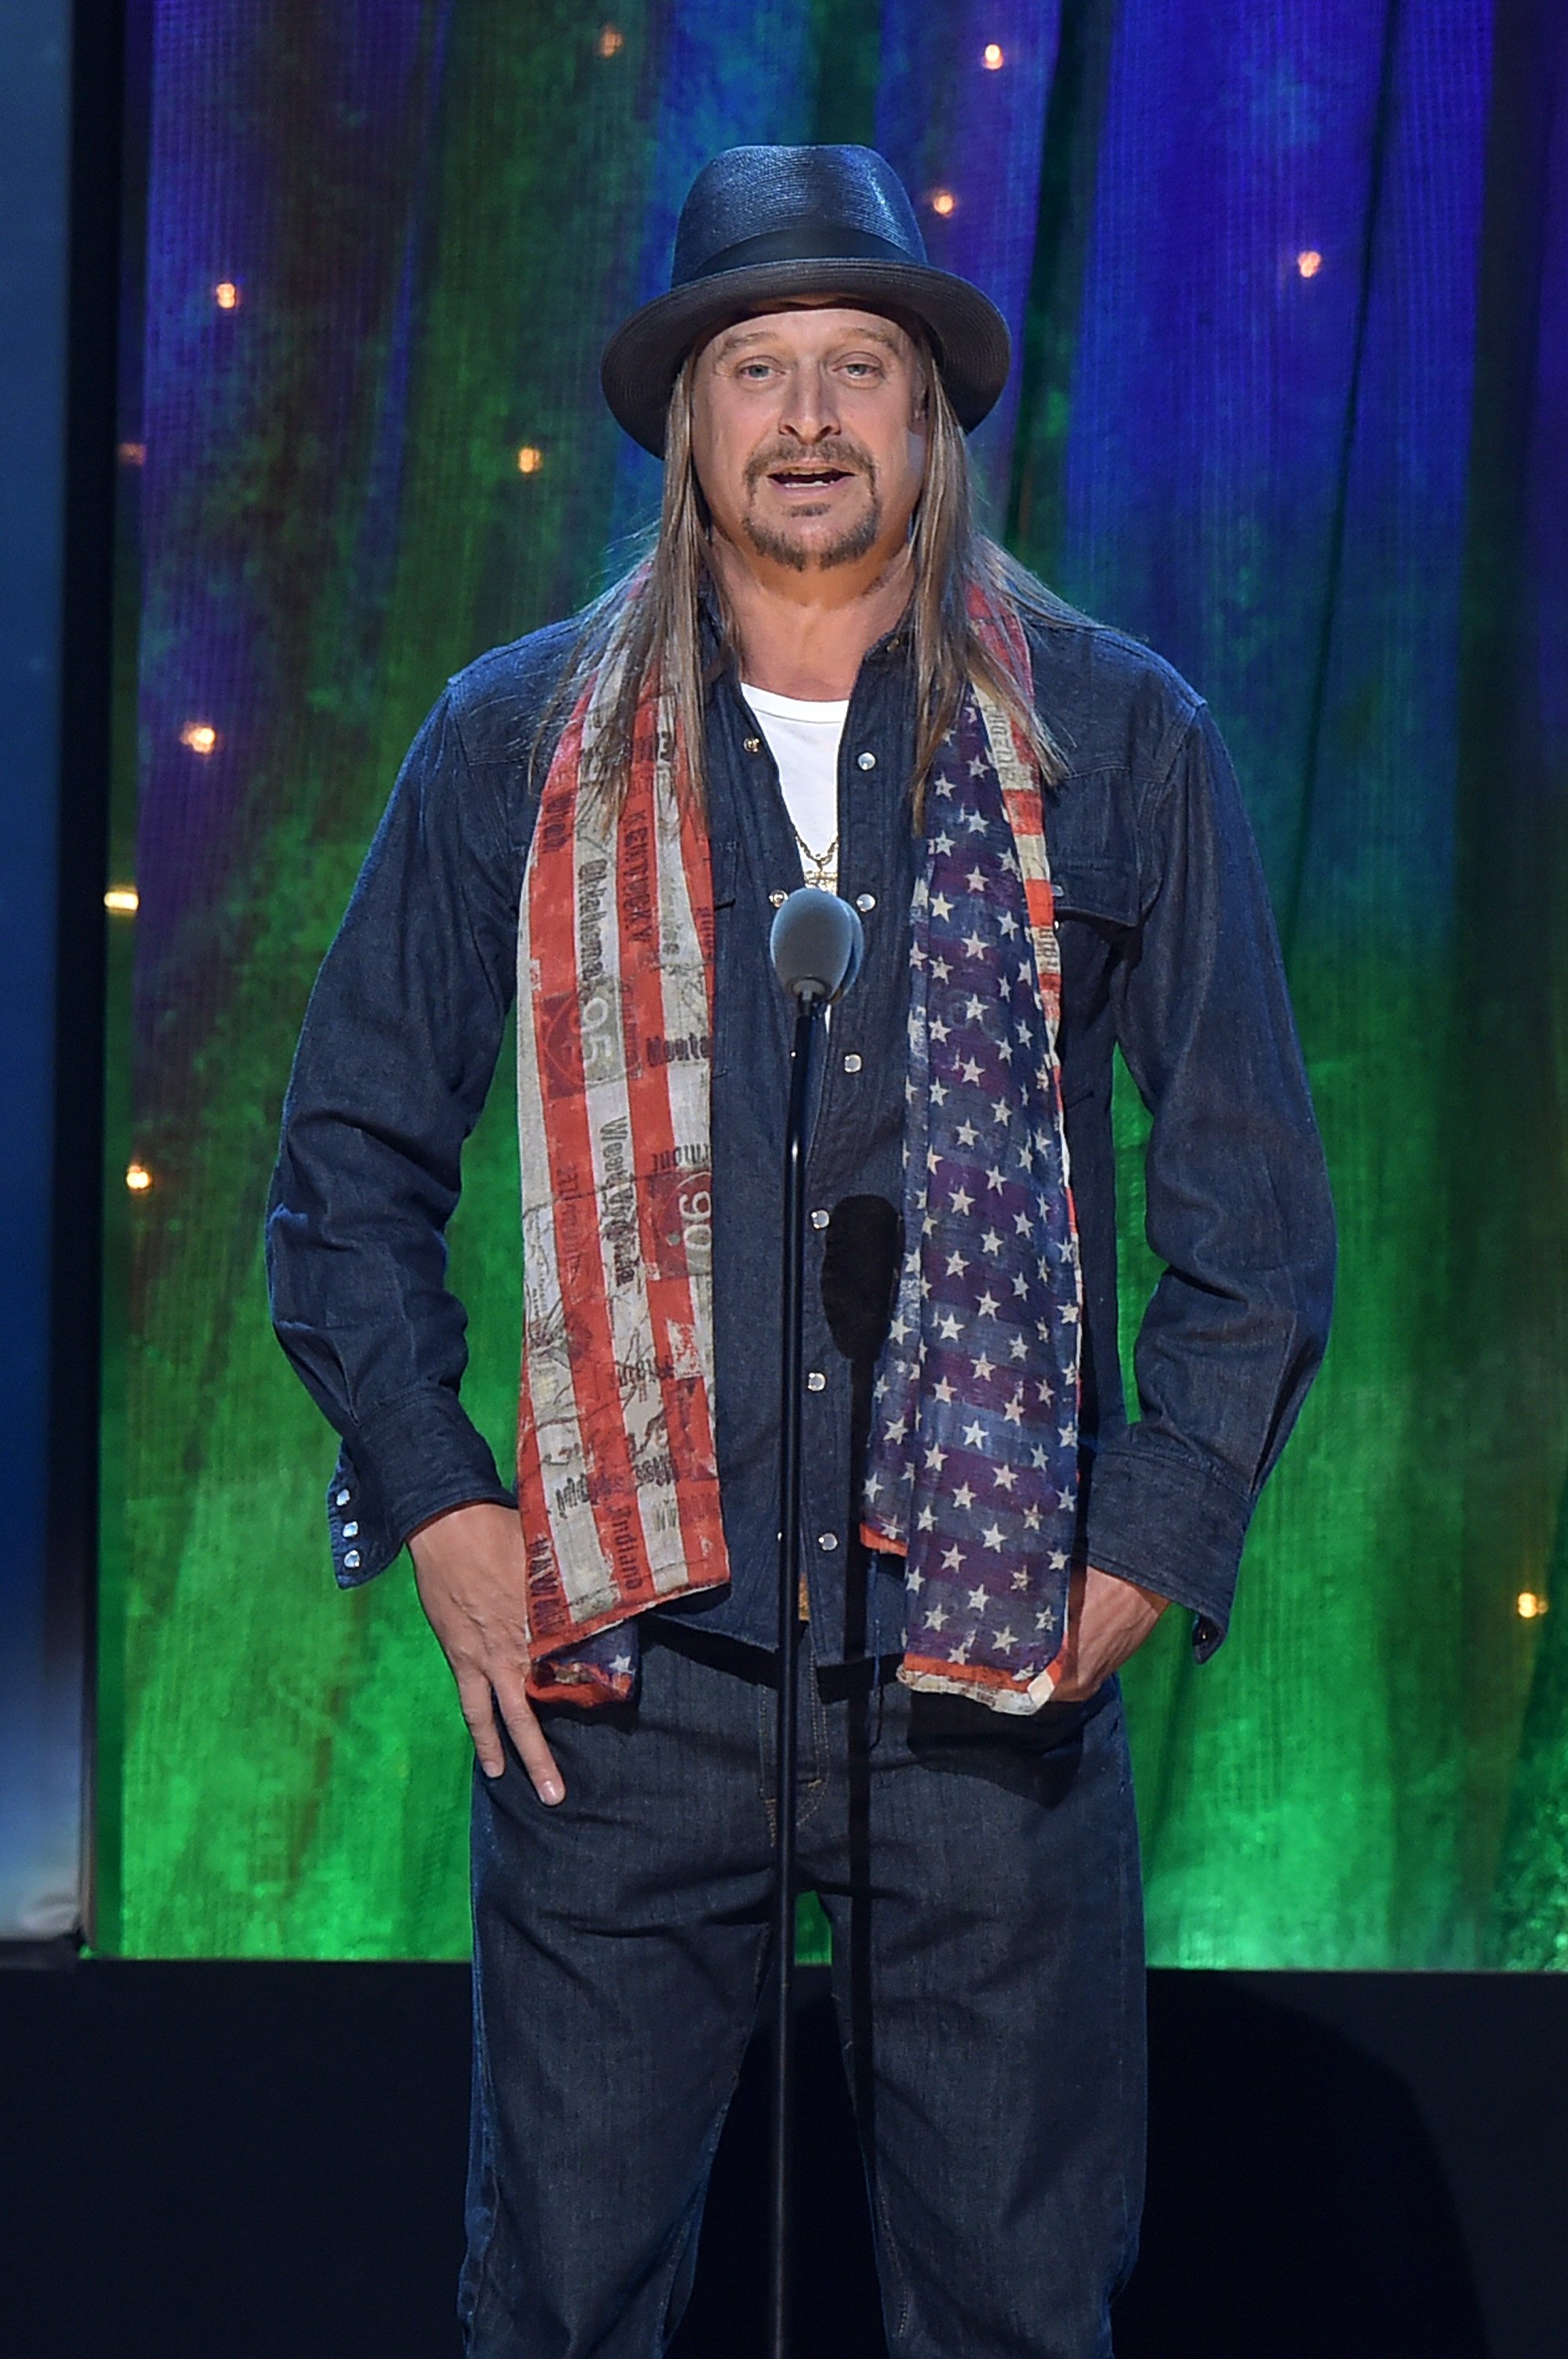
479 1711
1069 1665
530 1739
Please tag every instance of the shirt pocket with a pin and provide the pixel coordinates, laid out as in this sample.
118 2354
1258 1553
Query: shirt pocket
724 868
1100 892
1096 888
723 863
1093 850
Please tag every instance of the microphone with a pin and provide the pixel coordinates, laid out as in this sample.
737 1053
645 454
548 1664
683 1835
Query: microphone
817 944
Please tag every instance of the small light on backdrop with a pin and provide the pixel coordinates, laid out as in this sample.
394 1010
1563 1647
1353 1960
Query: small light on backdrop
226 295
530 459
943 201
200 736
124 899
138 1179
1309 263
131 454
992 57
1529 1604
611 42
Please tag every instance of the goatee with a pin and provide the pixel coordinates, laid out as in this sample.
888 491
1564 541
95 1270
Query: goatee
857 541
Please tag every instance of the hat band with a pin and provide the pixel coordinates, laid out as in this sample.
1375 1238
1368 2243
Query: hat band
804 243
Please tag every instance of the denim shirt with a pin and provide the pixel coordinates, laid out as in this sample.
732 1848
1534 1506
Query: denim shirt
1168 949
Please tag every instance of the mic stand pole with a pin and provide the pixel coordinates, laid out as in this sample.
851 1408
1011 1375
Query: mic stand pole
808 1009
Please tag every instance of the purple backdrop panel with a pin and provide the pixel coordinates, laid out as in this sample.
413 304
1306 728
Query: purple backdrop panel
1219 321
716 90
961 115
233 310
1377 827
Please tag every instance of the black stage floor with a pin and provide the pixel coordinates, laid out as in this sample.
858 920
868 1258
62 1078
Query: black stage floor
266 2162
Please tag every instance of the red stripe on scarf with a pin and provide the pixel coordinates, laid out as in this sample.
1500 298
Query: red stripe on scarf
687 1411
579 1244
973 1675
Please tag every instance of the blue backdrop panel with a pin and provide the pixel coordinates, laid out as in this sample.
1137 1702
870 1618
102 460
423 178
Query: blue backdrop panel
40 1659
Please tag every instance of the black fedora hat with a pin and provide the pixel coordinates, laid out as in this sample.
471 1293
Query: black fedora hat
766 222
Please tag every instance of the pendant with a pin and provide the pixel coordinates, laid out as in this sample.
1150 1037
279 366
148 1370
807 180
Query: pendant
816 866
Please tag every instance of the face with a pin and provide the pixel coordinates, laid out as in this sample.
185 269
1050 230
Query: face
808 434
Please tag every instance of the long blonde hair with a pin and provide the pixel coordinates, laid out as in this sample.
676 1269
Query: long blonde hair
648 623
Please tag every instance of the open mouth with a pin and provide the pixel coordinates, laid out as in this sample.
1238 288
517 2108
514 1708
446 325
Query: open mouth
807 479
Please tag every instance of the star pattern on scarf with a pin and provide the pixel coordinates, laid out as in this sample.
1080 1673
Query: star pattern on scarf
974 1458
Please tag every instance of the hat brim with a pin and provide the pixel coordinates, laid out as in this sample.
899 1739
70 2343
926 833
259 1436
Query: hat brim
969 335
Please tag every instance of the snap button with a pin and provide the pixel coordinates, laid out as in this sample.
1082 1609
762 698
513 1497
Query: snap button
827 1542
852 1063
351 1560
818 1220
351 1531
866 762
816 1382
752 745
865 902
776 900
342 1499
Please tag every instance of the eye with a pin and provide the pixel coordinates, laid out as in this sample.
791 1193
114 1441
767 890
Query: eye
861 370
755 371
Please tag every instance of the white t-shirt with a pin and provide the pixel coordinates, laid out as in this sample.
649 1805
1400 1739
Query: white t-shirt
803 736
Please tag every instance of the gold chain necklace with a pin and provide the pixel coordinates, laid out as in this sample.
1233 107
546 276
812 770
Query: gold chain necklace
819 866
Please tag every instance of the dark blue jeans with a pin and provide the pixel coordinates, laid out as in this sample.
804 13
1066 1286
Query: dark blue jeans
987 1974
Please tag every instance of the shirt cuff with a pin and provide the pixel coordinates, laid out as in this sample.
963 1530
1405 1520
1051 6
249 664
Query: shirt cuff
415 1458
1157 1517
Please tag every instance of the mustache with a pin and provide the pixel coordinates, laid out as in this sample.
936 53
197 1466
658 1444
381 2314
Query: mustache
838 451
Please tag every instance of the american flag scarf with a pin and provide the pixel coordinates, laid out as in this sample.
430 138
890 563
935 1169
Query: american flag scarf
973 1472
972 1469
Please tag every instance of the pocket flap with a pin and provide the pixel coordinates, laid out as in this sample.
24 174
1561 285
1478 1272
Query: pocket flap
723 864
1105 890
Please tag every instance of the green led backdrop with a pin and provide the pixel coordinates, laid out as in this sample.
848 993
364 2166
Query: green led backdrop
1291 293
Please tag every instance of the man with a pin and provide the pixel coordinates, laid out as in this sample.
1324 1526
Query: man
822 672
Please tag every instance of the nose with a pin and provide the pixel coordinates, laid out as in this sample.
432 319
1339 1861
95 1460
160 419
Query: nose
809 412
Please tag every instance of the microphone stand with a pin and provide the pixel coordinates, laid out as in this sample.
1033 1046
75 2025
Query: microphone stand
809 1007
